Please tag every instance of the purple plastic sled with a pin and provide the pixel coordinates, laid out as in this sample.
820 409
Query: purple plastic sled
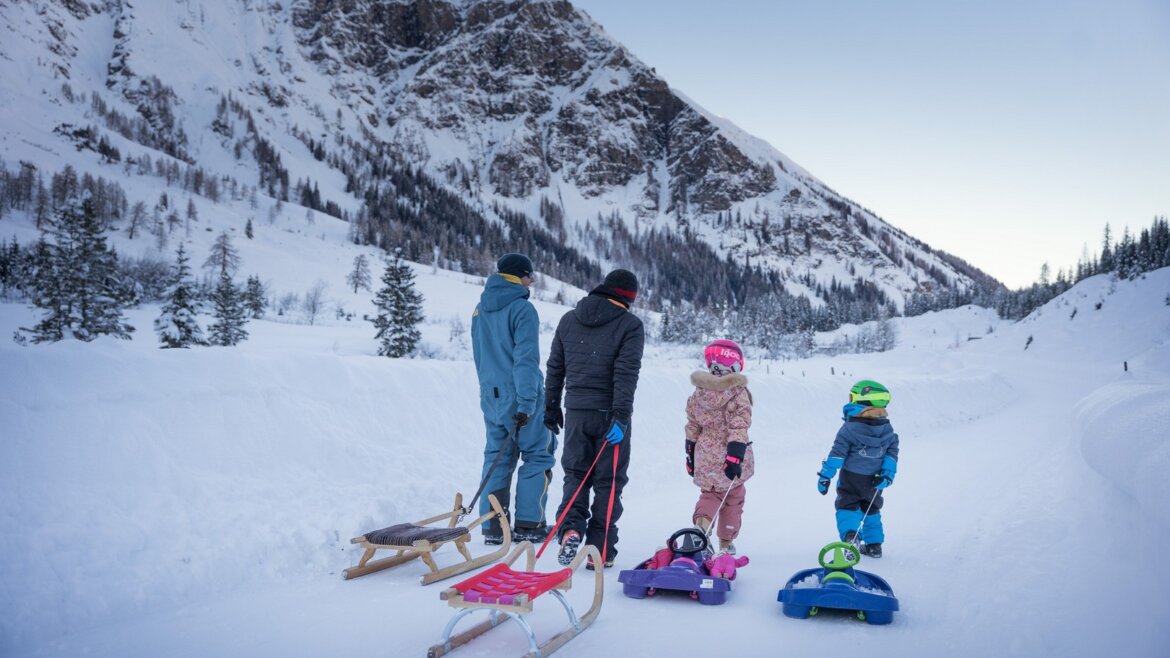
640 583
681 568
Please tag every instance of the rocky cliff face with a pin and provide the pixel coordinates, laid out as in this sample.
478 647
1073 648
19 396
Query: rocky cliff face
536 89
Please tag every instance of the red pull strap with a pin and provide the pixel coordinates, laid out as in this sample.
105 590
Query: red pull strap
568 507
609 511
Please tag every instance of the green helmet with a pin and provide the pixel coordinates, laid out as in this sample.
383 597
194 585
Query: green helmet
869 392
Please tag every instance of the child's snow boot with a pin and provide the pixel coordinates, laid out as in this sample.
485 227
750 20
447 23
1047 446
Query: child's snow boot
589 565
570 542
704 524
727 546
872 550
851 538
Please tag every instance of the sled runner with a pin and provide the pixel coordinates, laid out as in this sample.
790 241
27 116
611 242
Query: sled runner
508 594
685 565
414 540
838 585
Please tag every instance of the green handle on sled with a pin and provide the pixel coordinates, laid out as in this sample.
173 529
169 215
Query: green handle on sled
845 555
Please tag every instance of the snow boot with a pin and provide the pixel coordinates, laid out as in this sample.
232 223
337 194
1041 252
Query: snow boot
493 535
704 524
536 535
872 550
727 546
851 538
589 565
570 542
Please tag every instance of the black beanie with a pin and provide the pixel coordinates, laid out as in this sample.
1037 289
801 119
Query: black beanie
623 283
514 264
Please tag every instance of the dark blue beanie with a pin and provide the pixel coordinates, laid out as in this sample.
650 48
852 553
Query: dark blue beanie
514 264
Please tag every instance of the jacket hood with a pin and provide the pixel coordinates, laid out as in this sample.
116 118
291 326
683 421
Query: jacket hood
499 292
870 431
705 380
595 310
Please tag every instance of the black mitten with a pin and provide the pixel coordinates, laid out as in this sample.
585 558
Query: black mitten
733 463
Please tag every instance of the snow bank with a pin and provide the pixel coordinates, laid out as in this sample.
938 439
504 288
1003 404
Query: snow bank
1124 438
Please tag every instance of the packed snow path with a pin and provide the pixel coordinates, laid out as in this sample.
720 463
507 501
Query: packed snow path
200 502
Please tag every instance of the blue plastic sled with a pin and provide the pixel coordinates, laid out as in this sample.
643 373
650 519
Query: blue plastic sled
684 573
838 585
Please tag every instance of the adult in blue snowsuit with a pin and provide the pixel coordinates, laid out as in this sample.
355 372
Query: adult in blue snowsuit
505 342
866 452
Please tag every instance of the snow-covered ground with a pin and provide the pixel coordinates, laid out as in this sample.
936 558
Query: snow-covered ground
200 502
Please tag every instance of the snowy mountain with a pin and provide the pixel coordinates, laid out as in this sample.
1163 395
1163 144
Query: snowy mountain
200 502
518 108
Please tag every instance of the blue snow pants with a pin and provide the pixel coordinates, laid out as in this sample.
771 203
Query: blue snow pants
854 493
535 447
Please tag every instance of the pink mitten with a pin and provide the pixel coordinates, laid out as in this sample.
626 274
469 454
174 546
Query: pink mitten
725 565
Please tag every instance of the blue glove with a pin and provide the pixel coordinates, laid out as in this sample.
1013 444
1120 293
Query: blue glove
823 485
617 432
828 470
885 477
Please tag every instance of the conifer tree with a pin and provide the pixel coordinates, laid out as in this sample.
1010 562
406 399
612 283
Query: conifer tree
399 310
224 256
76 280
12 266
228 328
254 298
1106 260
177 325
359 277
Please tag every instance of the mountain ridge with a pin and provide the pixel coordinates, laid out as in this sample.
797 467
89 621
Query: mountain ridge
514 105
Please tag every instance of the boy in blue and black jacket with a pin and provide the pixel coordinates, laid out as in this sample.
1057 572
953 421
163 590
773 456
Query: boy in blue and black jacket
866 452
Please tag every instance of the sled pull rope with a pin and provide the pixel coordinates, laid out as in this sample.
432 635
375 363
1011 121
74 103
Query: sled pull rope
863 516
486 476
718 510
609 510
569 506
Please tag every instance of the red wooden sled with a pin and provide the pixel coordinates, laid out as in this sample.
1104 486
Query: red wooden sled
509 594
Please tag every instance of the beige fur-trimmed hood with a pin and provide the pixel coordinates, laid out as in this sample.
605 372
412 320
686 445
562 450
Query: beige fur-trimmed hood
705 380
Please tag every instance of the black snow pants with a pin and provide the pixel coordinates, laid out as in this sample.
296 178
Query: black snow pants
584 436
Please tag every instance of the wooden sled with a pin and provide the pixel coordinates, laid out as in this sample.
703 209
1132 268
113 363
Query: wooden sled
509 594
413 540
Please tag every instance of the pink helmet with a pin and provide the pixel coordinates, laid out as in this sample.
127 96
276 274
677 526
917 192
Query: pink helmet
725 353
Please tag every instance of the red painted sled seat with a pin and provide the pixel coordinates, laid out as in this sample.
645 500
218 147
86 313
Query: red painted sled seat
509 594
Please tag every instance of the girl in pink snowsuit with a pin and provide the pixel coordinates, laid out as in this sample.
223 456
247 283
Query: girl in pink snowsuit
719 455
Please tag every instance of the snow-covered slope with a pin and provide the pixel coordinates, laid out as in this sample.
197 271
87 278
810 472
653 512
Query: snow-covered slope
200 502
511 103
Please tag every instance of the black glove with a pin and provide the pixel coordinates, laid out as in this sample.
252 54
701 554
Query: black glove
521 419
733 463
554 419
690 457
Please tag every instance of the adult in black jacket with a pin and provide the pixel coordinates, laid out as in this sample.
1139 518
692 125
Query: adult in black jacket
595 358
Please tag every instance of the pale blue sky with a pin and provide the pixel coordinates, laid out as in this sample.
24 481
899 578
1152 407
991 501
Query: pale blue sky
1005 132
